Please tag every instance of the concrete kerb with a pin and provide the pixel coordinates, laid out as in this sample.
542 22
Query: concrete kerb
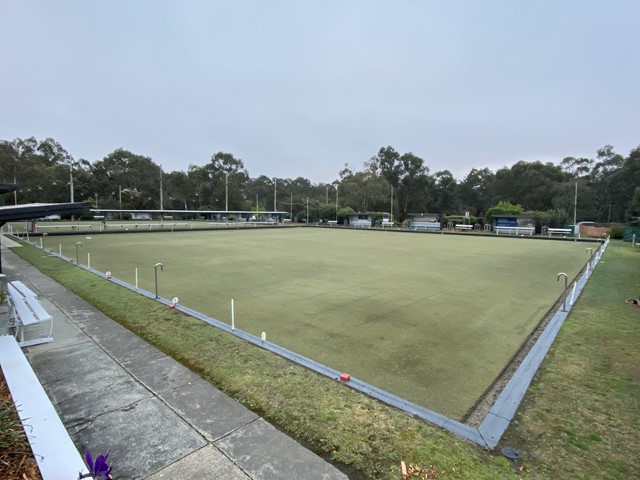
495 423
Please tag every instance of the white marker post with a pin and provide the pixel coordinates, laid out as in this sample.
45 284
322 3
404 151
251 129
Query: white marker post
89 259
136 278
60 247
233 316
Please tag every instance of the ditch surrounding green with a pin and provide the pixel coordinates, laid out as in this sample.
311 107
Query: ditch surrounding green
431 318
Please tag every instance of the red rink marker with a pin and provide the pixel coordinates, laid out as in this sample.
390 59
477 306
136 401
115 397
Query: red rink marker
345 377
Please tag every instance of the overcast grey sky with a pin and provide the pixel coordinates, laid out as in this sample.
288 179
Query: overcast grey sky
299 88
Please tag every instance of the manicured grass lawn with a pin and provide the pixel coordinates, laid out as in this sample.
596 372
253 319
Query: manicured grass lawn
430 318
579 421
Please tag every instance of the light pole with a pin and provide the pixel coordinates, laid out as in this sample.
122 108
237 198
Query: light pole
71 180
226 192
336 202
275 193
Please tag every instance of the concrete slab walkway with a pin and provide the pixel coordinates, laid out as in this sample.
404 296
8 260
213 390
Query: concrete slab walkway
113 391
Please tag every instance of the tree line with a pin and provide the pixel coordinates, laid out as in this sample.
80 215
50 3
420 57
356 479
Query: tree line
608 186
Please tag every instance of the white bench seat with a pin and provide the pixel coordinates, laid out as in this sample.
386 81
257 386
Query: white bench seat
415 226
464 227
26 311
515 230
361 224
559 231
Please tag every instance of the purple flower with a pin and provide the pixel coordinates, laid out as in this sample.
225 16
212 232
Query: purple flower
99 470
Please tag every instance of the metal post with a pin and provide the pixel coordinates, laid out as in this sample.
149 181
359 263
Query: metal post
78 244
575 211
71 180
136 278
88 259
155 268
226 192
564 295
161 195
233 316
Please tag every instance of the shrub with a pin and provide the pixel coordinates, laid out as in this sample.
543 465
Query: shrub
503 208
616 231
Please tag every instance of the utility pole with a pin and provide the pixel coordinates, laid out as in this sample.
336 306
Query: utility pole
391 203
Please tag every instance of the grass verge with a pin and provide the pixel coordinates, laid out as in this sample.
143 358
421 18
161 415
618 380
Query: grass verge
581 418
369 439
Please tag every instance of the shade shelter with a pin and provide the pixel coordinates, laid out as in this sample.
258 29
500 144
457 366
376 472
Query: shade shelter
32 211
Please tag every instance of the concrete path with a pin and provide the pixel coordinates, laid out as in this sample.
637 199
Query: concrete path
114 391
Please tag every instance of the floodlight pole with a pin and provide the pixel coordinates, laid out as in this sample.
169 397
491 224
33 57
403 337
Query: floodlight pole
161 196
155 268
78 244
226 192
71 180
564 295
575 211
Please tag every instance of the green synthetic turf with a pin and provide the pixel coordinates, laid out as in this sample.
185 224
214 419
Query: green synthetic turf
430 318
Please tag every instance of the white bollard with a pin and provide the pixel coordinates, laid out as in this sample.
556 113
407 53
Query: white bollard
233 316
88 260
573 292
136 278
60 248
